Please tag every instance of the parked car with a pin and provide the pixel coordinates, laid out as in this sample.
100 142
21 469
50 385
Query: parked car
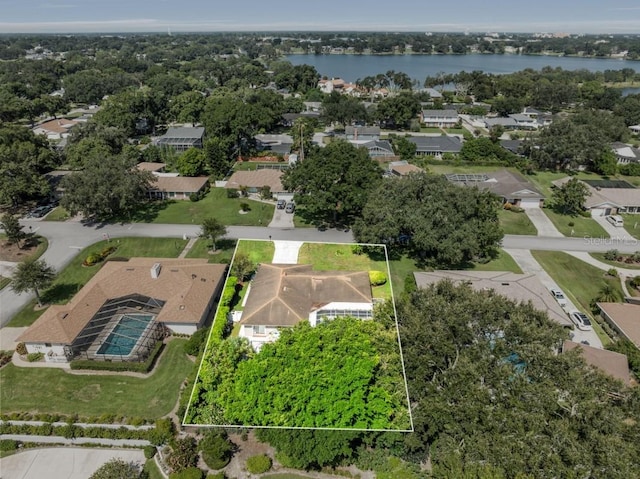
559 296
581 320
615 220
290 208
281 204
40 211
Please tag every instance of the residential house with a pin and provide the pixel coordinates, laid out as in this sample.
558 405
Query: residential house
625 154
255 180
436 145
511 187
521 288
282 295
278 144
608 197
143 294
624 318
362 133
439 118
182 138
614 364
512 146
515 121
635 129
177 187
377 148
55 129
327 86
151 166
403 168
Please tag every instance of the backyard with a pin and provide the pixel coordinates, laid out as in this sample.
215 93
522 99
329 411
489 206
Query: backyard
75 275
580 281
55 391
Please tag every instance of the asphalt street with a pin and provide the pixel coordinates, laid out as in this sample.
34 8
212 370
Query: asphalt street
67 238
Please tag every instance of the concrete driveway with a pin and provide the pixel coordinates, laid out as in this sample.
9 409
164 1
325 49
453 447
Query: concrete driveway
281 219
528 264
62 463
542 223
286 252
615 232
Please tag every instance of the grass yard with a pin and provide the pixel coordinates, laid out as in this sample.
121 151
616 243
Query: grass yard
215 203
257 251
75 276
516 223
615 264
46 390
504 262
58 214
224 250
543 179
582 227
152 470
580 281
4 281
632 225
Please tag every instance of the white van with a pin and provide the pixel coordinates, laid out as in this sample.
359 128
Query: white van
615 220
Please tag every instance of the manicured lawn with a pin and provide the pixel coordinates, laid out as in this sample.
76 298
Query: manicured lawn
257 251
582 227
430 129
516 223
224 247
216 204
151 469
400 268
48 390
58 214
632 225
340 257
75 276
615 264
4 281
580 281
504 262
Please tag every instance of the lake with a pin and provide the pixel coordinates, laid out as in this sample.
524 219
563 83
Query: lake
418 67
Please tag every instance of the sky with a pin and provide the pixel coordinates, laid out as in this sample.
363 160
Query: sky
83 16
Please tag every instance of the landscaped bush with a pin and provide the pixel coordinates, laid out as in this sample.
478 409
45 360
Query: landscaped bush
245 206
163 432
70 431
5 357
8 445
217 475
189 473
107 251
92 259
612 272
216 449
143 367
357 249
183 455
34 357
232 193
195 344
21 349
611 255
258 464
377 278
149 451
635 281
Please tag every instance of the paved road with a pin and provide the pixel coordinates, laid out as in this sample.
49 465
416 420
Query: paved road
67 238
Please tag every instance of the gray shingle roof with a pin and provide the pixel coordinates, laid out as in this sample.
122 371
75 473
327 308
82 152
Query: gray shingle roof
442 143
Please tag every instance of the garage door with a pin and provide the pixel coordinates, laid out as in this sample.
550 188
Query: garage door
530 203
600 211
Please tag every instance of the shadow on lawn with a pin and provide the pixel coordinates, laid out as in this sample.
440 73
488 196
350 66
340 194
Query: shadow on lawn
60 293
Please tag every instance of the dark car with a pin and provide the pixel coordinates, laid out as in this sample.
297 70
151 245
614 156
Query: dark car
40 211
281 204
290 208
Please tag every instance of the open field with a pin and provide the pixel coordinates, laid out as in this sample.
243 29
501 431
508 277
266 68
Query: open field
52 391
516 223
75 275
580 281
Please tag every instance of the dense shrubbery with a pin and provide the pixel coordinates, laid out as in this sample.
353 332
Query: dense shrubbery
8 445
195 345
188 473
34 357
143 367
163 432
258 464
377 278
5 357
216 449
71 431
21 349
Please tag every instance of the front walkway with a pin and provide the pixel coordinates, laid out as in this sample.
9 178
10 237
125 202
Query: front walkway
542 223
286 252
528 264
188 247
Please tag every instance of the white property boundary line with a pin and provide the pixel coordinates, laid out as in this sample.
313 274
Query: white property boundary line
395 312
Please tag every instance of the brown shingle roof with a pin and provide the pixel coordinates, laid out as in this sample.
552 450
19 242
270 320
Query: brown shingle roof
626 317
403 170
179 184
521 288
257 179
150 166
61 125
186 286
285 294
612 363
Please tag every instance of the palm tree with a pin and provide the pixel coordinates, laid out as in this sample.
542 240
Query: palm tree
32 275
212 229
608 294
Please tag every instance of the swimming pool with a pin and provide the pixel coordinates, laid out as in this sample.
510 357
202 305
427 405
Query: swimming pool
125 334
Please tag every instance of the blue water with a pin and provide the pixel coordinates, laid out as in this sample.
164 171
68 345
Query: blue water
418 67
125 334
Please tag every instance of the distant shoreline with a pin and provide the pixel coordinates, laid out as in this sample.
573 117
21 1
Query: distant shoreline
383 54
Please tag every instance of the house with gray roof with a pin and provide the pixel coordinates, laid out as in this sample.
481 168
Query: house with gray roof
362 133
608 197
439 118
182 138
625 154
436 145
511 187
378 148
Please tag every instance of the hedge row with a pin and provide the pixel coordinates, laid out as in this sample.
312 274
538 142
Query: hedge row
144 367
102 419
70 431
229 295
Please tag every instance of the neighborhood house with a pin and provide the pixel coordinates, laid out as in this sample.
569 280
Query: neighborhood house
126 308
608 197
182 138
282 295
254 180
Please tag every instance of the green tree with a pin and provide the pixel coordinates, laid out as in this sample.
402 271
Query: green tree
117 469
404 148
342 109
216 448
332 184
397 111
192 162
12 228
187 107
570 197
484 149
107 187
32 276
212 229
431 219
184 454
607 294
217 157
606 164
242 267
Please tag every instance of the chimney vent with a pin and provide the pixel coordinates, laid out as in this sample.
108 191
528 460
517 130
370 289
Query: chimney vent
155 270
